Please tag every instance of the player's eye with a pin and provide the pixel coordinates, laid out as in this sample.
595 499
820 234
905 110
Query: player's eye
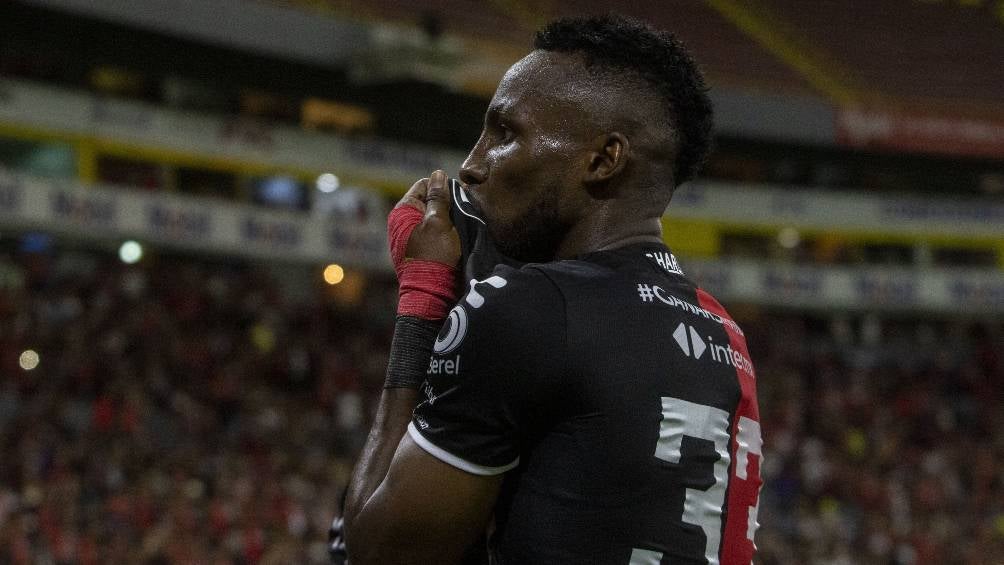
507 133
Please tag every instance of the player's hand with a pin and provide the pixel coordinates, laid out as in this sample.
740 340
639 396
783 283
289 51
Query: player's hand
434 238
425 249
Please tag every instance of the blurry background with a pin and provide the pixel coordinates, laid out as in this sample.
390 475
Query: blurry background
196 301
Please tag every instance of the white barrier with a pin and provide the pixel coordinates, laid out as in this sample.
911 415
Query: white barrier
224 228
838 210
953 291
192 223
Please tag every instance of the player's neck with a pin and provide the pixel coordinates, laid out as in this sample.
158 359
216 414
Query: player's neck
601 232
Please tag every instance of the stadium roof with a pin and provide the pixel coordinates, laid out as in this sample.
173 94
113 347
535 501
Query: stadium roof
902 75
907 53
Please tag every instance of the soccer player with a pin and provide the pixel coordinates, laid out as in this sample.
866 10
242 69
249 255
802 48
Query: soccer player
584 402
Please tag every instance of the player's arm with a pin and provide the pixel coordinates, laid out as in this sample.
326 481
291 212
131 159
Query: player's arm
422 510
493 380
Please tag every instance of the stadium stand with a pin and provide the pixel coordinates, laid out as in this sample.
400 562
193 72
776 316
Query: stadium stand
923 54
727 55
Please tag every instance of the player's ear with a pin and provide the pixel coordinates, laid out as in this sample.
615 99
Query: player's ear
607 158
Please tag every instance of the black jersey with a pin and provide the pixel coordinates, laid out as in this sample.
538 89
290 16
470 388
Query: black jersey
478 255
619 399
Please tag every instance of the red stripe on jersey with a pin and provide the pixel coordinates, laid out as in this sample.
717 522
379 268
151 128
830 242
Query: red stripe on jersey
744 493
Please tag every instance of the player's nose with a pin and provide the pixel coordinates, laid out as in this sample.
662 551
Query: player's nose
471 175
473 170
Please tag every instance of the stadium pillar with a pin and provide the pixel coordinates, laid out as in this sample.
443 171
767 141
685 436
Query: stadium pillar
87 161
797 52
689 238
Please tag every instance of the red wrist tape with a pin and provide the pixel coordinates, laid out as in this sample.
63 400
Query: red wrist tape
400 223
426 289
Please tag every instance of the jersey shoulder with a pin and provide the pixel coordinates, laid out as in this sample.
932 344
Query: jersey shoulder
571 274
645 260
513 292
607 279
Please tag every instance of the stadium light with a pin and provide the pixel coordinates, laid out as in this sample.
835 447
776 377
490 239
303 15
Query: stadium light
334 274
130 252
29 359
789 238
328 183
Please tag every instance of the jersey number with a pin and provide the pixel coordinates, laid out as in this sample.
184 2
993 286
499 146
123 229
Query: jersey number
703 507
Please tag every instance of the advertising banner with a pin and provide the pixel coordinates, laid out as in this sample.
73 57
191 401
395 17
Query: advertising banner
954 291
360 241
192 223
920 133
840 211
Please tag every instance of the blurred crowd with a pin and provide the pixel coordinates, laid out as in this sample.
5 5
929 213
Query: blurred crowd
186 411
884 439
180 412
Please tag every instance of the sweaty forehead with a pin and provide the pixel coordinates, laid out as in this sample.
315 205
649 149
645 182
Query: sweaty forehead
542 81
546 86
540 71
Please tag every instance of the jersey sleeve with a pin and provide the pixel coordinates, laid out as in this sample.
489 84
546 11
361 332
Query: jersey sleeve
497 360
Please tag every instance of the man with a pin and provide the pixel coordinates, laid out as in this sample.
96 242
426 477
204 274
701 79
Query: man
584 401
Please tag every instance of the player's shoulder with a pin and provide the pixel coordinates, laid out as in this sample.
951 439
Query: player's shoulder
573 270
577 278
537 282
507 291
508 311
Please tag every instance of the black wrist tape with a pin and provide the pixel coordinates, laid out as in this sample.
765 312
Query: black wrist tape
410 351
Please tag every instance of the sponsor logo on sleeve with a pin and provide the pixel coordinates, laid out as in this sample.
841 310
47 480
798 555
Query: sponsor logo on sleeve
444 366
474 298
453 331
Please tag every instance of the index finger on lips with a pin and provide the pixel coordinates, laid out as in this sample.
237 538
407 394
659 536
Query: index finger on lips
416 195
437 199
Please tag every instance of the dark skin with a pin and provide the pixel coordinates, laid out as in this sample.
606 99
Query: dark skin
565 165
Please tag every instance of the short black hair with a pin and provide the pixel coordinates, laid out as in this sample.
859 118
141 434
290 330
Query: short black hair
620 43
